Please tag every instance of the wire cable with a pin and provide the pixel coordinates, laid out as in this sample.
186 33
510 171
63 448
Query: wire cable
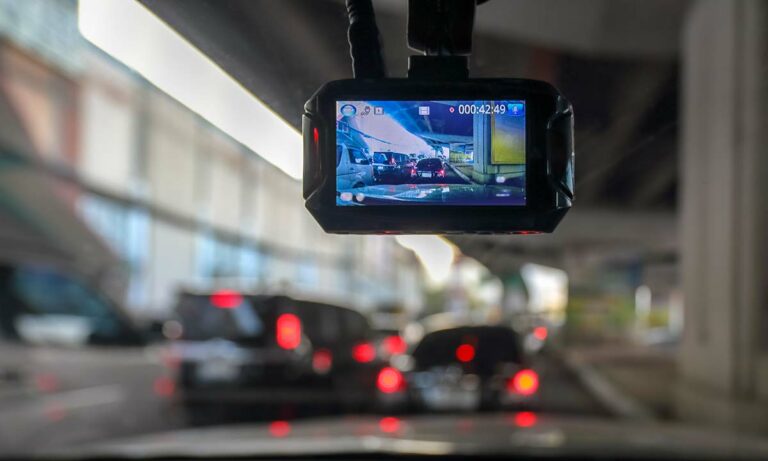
364 44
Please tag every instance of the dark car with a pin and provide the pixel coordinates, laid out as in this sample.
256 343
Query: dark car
257 349
431 168
68 353
471 368
393 167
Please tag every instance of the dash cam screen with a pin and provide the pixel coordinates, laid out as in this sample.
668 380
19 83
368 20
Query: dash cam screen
430 153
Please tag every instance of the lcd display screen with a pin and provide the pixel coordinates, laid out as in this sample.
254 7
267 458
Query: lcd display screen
465 153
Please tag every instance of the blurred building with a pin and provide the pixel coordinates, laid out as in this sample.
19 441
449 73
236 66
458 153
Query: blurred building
176 200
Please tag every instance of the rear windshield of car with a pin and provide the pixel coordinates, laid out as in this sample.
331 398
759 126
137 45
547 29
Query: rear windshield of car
401 158
492 346
205 317
380 157
429 163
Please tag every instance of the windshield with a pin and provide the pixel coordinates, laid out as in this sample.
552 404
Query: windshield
161 278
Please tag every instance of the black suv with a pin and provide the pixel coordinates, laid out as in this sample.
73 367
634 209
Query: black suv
272 350
393 167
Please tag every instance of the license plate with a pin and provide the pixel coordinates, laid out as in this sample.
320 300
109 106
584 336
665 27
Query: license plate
217 370
426 175
450 398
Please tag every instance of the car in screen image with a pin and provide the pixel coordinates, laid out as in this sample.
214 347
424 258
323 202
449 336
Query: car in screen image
430 168
272 352
471 368
353 168
393 168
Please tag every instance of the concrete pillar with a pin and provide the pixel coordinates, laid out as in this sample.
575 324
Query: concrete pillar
724 220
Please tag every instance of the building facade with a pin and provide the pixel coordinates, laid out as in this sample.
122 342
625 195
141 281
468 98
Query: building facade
176 200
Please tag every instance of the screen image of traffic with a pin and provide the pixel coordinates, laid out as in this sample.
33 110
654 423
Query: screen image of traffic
430 153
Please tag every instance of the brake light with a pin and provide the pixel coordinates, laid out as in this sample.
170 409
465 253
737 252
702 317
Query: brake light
394 345
465 353
288 331
390 380
540 333
525 382
226 299
441 172
363 352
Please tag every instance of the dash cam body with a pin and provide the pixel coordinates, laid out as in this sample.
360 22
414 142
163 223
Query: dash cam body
454 156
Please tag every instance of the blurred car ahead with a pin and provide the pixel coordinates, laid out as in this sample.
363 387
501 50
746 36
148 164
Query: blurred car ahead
432 168
69 354
393 167
471 368
272 351
353 168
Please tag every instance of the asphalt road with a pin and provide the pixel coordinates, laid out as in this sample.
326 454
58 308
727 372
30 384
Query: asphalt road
450 178
560 391
121 402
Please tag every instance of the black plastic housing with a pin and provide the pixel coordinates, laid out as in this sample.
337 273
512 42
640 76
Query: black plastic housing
549 163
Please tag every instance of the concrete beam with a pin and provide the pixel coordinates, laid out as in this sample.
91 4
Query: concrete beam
602 231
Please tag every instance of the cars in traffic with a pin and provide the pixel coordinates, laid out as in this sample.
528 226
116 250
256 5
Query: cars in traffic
470 368
353 168
267 350
393 167
430 168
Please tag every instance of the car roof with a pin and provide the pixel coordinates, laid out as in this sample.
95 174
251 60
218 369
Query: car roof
261 297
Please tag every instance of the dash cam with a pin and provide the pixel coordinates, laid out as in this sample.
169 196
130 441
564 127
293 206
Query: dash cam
416 156
437 152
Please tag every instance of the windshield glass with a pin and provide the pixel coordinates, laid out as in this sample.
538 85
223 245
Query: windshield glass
161 278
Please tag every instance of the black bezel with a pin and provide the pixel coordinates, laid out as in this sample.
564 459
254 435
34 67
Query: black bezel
546 199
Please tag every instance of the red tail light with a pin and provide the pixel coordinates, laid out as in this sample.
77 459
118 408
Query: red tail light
465 353
394 345
540 333
441 172
288 331
363 352
525 382
390 380
226 299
